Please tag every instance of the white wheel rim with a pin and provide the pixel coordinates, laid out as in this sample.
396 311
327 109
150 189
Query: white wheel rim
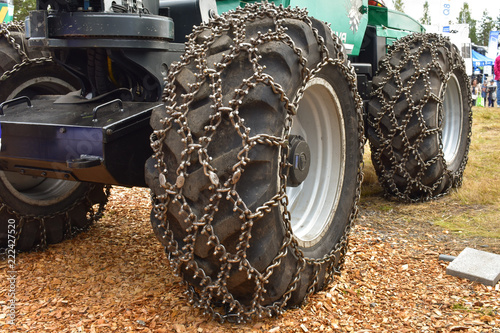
452 120
39 191
320 122
45 85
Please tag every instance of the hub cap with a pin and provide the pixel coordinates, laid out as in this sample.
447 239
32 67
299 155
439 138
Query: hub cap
300 159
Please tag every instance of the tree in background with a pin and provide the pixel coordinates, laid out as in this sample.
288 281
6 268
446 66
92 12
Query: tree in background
399 5
486 25
426 19
22 9
464 17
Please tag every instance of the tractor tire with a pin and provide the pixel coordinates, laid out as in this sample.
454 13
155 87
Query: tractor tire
29 72
43 211
12 46
419 118
46 211
262 94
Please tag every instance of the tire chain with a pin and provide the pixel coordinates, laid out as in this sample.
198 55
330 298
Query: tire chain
431 42
93 214
210 291
5 29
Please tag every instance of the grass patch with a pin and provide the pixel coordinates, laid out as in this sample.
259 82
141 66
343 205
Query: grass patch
478 223
459 306
482 175
385 208
473 209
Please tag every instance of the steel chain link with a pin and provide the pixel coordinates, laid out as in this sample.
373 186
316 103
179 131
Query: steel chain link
6 28
92 214
431 43
5 31
212 294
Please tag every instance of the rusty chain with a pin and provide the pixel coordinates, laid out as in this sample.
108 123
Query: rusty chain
433 44
5 31
212 291
92 215
6 28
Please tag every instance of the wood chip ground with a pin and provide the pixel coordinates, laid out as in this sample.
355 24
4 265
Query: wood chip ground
115 278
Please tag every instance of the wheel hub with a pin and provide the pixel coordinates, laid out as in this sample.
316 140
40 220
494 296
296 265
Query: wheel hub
300 160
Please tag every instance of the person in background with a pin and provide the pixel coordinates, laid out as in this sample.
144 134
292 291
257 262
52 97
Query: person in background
475 91
492 94
484 92
496 70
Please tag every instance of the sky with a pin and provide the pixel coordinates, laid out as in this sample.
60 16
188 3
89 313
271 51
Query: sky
415 8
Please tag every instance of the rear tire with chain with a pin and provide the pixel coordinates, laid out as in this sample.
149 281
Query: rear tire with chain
44 211
13 46
419 118
29 72
245 243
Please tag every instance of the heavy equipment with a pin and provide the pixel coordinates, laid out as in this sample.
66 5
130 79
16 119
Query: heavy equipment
248 128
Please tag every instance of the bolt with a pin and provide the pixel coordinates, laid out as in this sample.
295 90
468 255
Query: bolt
62 130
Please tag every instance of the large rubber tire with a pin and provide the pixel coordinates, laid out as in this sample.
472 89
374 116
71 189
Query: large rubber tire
420 117
29 72
14 47
245 243
44 211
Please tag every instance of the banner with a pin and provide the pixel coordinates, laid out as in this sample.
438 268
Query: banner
445 13
6 12
493 44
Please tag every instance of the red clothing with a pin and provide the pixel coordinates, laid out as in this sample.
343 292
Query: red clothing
497 68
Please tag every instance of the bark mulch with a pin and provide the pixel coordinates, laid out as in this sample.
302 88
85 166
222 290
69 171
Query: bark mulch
115 278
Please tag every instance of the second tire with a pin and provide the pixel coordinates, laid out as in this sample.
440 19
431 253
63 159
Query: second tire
419 118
